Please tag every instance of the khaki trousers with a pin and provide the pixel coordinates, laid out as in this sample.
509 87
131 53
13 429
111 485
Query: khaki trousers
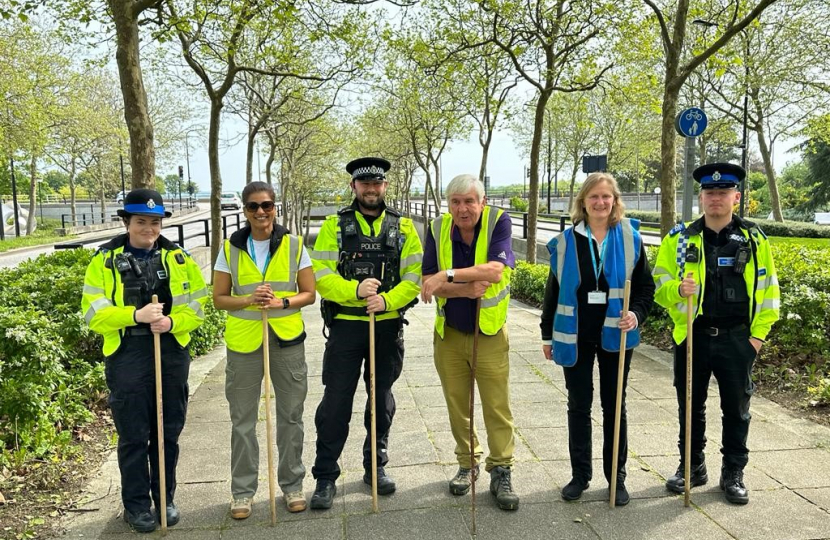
453 357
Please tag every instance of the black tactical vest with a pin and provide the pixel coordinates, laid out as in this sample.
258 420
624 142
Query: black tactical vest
363 256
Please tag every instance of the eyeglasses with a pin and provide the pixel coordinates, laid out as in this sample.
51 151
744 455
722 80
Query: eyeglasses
266 206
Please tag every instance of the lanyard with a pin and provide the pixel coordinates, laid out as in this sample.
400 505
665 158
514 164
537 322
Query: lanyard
597 269
252 253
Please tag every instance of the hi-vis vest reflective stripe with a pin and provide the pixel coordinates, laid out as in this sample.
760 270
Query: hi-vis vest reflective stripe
622 254
497 296
243 330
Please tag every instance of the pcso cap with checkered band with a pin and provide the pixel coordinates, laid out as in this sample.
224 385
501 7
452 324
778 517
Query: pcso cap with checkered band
719 175
144 202
368 168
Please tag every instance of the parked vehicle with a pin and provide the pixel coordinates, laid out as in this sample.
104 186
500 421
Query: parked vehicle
120 197
230 200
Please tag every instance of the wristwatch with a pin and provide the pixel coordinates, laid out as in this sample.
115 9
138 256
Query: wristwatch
285 303
450 275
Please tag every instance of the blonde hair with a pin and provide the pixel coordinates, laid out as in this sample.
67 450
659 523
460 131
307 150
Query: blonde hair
594 179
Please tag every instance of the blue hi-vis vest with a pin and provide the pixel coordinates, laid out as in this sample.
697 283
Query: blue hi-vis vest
621 256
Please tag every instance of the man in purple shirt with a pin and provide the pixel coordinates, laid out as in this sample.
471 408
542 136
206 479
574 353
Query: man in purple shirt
467 257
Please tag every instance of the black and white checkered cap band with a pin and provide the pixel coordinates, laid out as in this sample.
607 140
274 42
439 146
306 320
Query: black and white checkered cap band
371 170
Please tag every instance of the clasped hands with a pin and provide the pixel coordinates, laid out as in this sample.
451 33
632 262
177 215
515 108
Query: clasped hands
470 289
263 298
153 315
368 290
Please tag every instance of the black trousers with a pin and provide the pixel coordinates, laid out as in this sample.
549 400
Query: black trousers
347 350
580 385
729 357
130 374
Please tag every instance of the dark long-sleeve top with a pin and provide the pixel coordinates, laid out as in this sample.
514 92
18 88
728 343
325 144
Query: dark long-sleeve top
590 317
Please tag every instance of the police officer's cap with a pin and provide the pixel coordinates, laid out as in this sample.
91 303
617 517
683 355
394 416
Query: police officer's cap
368 168
719 175
143 202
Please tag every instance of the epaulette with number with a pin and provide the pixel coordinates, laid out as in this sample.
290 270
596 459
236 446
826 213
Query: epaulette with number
679 228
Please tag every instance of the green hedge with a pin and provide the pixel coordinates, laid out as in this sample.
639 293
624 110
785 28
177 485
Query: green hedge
797 349
51 365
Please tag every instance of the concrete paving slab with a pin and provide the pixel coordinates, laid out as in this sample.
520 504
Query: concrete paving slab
545 521
794 518
818 496
795 468
651 518
425 524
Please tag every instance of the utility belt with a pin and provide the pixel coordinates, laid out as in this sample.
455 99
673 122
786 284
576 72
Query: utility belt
329 310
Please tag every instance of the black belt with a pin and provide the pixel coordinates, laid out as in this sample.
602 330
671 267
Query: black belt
359 311
137 331
713 331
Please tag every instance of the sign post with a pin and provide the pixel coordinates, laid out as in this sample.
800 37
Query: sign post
690 123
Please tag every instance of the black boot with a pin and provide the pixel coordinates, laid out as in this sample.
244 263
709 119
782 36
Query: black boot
386 486
677 483
621 497
173 515
142 522
732 484
323 496
573 490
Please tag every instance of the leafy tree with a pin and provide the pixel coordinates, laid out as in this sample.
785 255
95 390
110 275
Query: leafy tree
672 19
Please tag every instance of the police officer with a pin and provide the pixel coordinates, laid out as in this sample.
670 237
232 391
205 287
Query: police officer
117 303
724 263
367 259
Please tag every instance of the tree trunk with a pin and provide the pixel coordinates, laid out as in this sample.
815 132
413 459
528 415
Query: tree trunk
249 158
140 127
268 164
668 159
485 151
774 200
30 219
215 180
574 170
533 199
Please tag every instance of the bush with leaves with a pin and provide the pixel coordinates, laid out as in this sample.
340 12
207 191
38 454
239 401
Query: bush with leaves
799 344
51 364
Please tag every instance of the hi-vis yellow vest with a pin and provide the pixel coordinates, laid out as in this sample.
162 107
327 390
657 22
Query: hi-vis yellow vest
497 296
243 330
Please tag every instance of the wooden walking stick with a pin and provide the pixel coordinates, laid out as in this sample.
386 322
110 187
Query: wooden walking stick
373 431
615 456
473 362
687 450
160 431
266 366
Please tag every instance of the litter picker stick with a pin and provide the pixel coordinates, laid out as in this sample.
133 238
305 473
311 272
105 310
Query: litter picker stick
160 431
473 363
373 423
687 451
266 366
615 456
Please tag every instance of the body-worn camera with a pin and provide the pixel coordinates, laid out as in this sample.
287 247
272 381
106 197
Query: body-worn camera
741 258
122 264
693 254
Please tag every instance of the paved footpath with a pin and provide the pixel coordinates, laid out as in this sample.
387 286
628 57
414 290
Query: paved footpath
788 473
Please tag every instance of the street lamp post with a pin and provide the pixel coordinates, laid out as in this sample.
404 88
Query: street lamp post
187 159
657 198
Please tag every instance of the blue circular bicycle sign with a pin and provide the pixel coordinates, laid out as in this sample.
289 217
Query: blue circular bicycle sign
691 122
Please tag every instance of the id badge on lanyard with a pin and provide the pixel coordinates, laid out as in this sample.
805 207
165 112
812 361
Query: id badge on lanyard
597 296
